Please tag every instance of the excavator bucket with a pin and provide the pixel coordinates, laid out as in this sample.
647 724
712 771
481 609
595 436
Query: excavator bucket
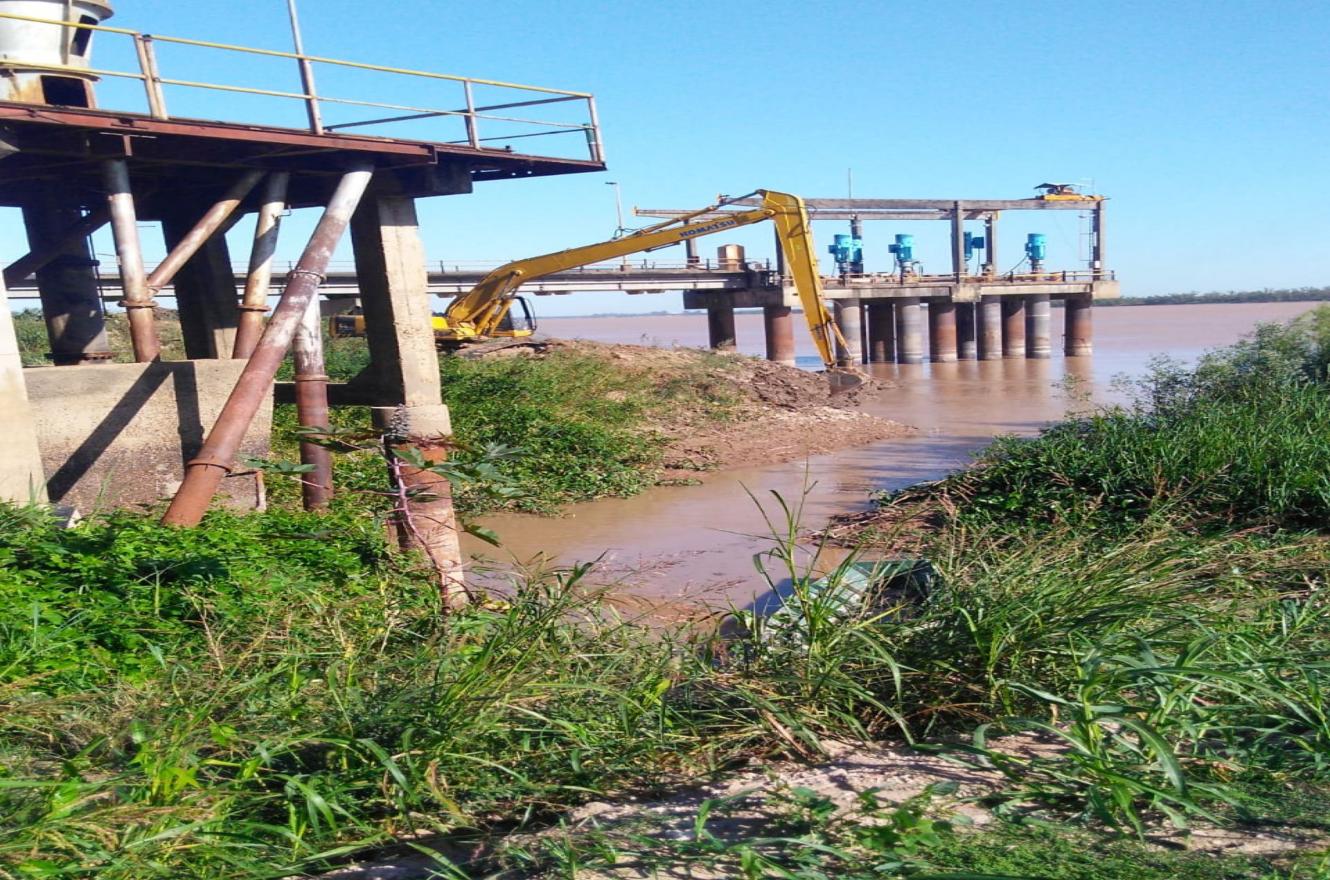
843 379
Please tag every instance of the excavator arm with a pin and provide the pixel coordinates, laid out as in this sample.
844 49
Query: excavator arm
479 312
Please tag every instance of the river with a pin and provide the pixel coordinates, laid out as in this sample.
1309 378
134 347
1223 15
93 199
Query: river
683 544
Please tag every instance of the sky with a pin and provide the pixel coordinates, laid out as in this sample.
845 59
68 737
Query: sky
1204 123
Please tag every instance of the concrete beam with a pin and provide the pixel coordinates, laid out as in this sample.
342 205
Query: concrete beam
205 287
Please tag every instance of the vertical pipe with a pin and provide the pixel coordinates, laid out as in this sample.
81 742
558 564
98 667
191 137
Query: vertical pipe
152 85
593 132
881 332
204 474
472 137
720 326
967 348
1013 327
258 282
849 318
1097 241
203 230
1037 331
1080 328
990 239
312 406
138 301
909 331
941 331
690 253
778 322
990 328
306 71
957 242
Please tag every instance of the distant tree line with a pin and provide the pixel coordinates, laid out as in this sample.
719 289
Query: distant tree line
1292 294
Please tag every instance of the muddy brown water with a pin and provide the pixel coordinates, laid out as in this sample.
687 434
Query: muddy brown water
683 544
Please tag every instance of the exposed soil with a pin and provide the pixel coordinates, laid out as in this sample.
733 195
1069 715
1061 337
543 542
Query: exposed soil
780 414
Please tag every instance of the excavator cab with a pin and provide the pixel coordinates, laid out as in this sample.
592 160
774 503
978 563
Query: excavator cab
518 319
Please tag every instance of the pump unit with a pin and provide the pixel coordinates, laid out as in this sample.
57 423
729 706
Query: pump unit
1035 247
44 63
973 243
903 249
848 251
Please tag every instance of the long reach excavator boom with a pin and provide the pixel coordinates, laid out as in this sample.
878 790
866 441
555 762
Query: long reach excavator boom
483 312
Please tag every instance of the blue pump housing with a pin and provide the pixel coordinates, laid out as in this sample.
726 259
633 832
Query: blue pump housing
1035 247
848 252
903 248
974 243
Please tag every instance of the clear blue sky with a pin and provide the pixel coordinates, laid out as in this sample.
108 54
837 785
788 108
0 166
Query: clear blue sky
1205 122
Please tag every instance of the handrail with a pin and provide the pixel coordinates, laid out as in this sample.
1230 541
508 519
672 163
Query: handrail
150 75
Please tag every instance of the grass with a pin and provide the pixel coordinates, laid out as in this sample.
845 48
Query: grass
1139 593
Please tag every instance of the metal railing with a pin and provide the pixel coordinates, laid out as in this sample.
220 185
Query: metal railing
472 116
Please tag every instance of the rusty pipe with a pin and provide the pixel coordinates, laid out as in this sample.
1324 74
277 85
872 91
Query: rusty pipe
258 282
33 262
138 302
204 474
312 406
203 230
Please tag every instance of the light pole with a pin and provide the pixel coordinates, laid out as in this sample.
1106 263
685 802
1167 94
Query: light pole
618 213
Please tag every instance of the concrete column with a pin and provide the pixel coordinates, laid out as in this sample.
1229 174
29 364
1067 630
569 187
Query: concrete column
71 303
778 322
849 319
720 327
1037 332
909 331
989 313
394 293
990 239
1080 329
21 476
881 331
690 252
967 348
941 331
205 287
1013 327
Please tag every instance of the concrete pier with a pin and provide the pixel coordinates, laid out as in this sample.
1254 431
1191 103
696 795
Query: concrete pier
989 314
720 327
849 319
881 332
778 322
941 331
1080 329
909 331
1013 327
1038 342
967 348
71 302
21 476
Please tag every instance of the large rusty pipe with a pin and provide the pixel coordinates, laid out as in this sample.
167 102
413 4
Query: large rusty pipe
203 230
967 348
138 302
312 406
849 318
1037 332
941 331
778 322
881 332
25 266
989 313
1013 327
1080 327
720 327
258 282
204 474
909 331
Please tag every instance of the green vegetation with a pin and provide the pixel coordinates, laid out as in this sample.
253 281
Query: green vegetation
1295 294
1129 633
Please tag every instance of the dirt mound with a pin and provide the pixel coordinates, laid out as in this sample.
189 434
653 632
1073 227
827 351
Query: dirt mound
776 413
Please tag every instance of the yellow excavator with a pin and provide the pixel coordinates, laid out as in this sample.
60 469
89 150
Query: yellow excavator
485 312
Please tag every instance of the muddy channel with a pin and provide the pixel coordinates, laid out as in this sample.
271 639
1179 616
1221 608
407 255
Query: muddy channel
675 546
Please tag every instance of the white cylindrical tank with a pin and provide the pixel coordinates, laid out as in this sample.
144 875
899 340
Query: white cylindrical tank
45 63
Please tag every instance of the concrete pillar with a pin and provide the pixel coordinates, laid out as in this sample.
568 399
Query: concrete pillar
989 313
1037 332
690 252
71 302
205 287
1013 327
21 476
967 348
881 331
404 363
720 327
849 319
909 331
990 240
778 322
1080 329
941 331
